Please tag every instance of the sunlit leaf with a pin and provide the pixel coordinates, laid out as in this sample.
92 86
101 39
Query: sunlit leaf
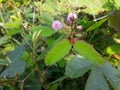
58 52
43 54
1 1
92 6
4 40
15 24
13 32
45 30
47 18
96 25
87 51
113 49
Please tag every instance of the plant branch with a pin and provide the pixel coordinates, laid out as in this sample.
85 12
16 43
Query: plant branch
23 81
58 80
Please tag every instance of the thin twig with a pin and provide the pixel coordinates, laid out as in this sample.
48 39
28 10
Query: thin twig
33 16
58 80
23 81
100 18
16 41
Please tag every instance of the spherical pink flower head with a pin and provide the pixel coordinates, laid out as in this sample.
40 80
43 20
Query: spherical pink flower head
56 25
71 17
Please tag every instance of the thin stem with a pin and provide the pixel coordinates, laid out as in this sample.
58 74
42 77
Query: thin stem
100 18
58 80
30 73
23 81
72 28
9 80
33 16
16 41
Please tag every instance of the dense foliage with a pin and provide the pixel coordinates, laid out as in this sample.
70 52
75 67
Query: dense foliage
59 45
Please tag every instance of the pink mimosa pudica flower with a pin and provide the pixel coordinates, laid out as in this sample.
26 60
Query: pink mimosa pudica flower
56 25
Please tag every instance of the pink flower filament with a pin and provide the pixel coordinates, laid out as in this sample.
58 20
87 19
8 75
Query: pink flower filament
57 25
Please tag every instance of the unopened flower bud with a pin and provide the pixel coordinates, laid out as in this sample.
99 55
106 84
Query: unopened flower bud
42 49
71 17
79 27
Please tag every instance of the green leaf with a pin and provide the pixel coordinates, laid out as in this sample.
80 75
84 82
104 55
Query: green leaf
77 67
45 30
114 20
18 65
1 1
30 15
87 51
112 75
14 24
50 7
93 7
27 58
47 18
96 80
113 49
4 40
58 52
12 32
96 25
62 63
54 87
7 48
17 53
43 54
50 41
117 3
4 62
